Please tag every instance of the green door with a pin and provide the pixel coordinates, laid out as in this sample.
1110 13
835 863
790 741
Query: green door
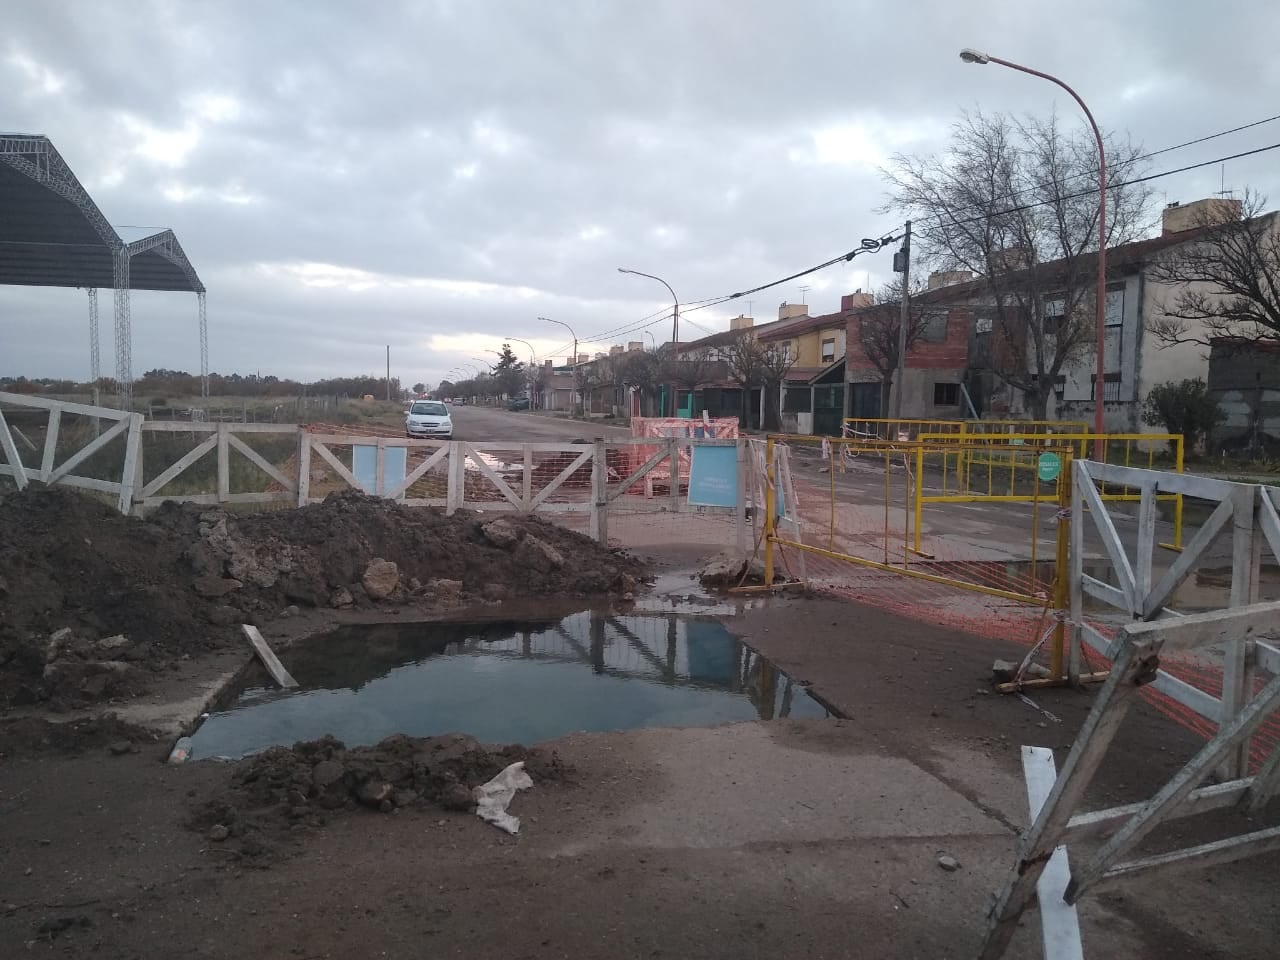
828 409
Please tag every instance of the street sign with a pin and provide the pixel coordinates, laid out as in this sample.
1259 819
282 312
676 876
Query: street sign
1048 467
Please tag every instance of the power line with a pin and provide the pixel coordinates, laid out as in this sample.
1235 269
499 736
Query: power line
1015 194
1110 186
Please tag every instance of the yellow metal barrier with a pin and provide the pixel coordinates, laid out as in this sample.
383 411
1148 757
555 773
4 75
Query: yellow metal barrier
998 454
855 529
897 429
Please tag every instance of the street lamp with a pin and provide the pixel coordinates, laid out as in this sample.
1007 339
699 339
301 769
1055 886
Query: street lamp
969 55
530 378
675 331
574 363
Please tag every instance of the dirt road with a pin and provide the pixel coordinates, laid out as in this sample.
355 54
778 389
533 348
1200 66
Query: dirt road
492 423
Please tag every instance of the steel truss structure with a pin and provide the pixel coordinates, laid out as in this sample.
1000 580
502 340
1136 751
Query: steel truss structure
53 234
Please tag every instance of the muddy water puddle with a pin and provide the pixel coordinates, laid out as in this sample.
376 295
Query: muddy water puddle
506 682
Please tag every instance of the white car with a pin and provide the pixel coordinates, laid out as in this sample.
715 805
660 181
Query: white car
428 419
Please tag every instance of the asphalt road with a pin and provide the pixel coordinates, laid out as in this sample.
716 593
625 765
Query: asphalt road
489 423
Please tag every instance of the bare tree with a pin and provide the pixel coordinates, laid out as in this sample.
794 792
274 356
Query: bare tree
1015 202
776 361
744 356
641 370
1228 277
689 370
878 332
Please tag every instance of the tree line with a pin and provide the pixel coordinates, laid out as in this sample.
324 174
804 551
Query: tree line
166 383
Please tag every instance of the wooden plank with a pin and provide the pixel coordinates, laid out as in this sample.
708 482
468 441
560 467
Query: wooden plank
673 482
1205 704
10 450
304 468
1269 518
417 473
1214 854
328 457
1218 796
457 492
491 474
510 446
268 497
88 450
380 467
1059 925
172 472
224 464
1155 811
526 478
643 469
1110 541
1267 657
564 475
261 462
50 442
1103 591
24 400
1075 660
131 475
1096 639
1214 626
203 426
90 483
269 660
599 494
740 507
1146 543
1206 488
1237 664
1191 554
1265 784
1038 843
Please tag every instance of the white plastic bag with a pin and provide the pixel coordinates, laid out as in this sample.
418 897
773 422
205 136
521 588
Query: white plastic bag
492 798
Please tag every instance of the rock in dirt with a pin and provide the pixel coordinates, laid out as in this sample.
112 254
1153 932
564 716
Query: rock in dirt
948 863
211 588
341 597
501 534
326 773
380 579
113 643
120 747
723 570
539 555
219 832
456 796
1005 671
372 793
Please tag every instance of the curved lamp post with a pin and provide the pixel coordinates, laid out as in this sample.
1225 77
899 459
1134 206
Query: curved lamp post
531 359
969 55
675 332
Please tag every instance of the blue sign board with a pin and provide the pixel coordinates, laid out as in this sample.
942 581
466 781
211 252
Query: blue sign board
364 466
713 476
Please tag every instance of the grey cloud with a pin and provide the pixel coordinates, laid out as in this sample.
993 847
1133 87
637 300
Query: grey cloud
618 118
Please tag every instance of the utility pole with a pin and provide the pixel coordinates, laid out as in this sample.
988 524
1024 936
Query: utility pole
388 373
902 264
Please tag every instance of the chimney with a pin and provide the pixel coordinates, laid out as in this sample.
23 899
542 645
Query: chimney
948 278
634 346
741 322
1009 259
1209 212
789 311
856 300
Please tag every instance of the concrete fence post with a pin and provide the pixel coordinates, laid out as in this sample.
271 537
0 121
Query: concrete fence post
600 493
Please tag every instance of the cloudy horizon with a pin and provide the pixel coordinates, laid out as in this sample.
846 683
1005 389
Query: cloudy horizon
436 176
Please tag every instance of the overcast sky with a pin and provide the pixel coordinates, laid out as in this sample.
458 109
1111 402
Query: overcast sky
437 175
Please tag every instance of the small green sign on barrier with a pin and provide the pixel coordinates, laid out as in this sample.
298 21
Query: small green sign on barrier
1048 467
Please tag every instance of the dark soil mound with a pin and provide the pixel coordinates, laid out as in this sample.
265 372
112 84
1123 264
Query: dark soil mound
286 789
34 736
93 603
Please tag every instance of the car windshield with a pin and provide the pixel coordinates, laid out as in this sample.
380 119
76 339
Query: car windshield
430 409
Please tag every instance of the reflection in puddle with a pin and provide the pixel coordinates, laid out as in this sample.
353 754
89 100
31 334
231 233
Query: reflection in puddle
508 682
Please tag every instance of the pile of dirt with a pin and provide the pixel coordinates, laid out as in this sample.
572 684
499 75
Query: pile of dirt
36 736
286 789
93 604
